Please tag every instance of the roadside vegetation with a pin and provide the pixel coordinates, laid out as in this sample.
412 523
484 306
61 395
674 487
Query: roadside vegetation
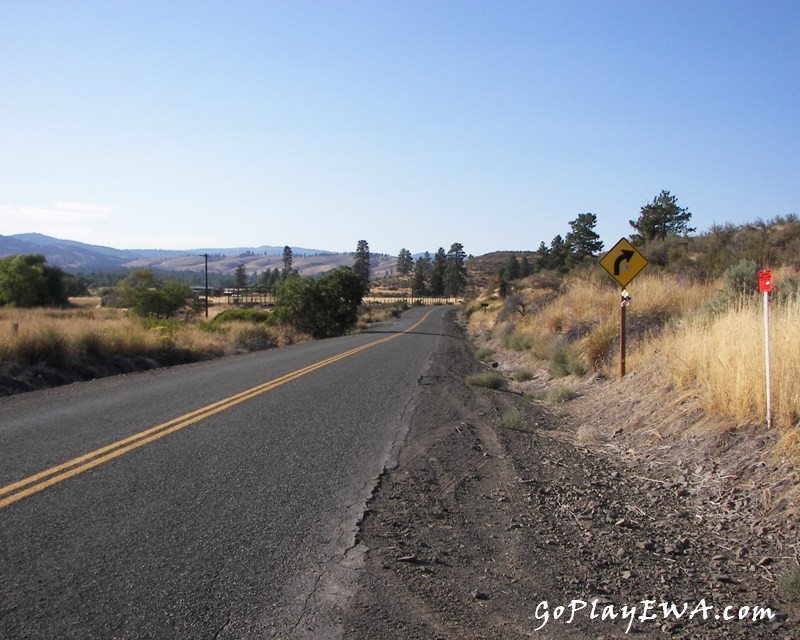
695 313
708 335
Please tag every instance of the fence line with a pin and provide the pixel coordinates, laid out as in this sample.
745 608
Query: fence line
249 296
412 300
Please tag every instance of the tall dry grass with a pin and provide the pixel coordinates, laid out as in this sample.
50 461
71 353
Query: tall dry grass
588 311
714 344
721 358
74 337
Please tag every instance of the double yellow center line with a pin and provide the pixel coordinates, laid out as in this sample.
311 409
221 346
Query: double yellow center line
47 478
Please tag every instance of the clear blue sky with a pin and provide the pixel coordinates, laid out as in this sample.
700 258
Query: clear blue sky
410 124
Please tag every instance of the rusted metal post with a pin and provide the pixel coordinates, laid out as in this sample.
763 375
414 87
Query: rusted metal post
622 308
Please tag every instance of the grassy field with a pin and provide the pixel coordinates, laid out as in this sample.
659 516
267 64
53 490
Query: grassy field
43 347
86 340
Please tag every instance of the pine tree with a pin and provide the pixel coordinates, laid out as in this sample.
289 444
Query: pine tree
661 218
455 278
437 272
287 261
361 266
405 262
240 277
583 242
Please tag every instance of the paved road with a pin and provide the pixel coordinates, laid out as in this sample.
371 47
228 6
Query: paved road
173 504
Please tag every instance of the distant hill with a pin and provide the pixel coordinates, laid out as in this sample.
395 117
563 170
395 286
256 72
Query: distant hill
78 257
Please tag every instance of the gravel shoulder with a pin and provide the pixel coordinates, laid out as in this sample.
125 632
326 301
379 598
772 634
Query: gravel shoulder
482 531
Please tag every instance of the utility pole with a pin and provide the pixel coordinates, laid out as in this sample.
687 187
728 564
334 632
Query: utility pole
205 255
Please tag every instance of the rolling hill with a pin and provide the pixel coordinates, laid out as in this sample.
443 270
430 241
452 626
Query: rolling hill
78 257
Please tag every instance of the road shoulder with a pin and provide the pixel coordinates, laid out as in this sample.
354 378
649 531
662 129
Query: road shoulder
481 531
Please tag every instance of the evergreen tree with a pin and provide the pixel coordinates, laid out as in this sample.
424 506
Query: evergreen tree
542 257
511 270
455 277
240 277
558 255
361 266
419 279
405 262
661 218
583 242
288 257
437 272
525 267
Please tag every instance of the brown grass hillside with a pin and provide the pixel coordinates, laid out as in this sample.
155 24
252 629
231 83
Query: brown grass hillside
693 399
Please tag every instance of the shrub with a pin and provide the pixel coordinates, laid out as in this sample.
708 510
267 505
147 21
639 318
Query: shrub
44 347
146 295
741 279
559 394
598 345
241 315
91 345
519 341
567 362
322 307
255 338
484 353
488 379
522 375
512 419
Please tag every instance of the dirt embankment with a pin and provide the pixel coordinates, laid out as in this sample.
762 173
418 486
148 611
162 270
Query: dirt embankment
482 531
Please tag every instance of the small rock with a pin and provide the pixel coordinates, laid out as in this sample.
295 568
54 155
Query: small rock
722 577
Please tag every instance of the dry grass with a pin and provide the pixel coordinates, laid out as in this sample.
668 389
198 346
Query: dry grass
722 359
716 356
87 333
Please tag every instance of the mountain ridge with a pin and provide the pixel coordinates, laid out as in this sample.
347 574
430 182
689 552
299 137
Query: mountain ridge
79 257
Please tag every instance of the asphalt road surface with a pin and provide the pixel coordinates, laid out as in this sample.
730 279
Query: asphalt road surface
215 500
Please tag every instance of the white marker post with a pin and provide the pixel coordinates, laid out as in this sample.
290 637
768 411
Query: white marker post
765 287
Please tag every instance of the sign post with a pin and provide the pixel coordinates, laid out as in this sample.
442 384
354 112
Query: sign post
765 287
623 263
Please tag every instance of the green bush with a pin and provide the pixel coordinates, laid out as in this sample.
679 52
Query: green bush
146 295
28 281
565 362
741 279
558 395
488 379
484 353
512 419
241 315
519 341
255 338
522 375
322 307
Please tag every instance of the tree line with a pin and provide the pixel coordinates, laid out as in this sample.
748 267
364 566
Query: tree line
663 232
444 274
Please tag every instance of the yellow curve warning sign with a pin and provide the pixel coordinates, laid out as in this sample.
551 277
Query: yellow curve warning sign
623 262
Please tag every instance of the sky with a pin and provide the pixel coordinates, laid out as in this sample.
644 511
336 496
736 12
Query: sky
176 124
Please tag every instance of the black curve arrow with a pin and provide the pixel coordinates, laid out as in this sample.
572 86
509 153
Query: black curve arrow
626 255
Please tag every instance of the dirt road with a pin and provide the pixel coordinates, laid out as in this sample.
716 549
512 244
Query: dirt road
483 531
